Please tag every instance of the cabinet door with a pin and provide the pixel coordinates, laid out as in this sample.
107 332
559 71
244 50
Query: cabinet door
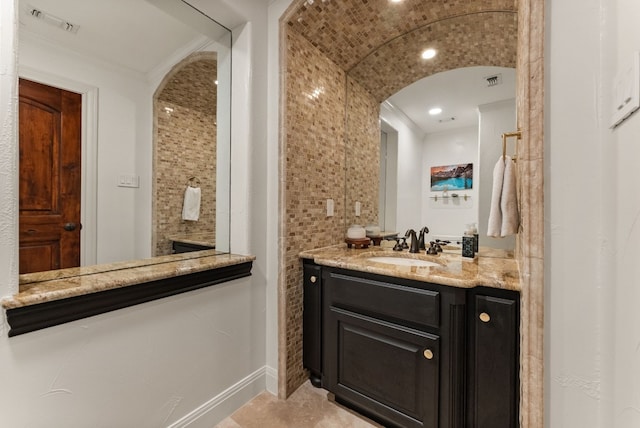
312 322
494 364
388 371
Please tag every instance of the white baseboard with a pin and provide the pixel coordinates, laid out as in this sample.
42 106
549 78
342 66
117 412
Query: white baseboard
272 380
228 401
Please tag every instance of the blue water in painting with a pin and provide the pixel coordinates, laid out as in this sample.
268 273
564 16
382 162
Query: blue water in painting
453 184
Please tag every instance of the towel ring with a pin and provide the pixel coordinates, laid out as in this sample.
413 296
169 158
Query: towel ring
193 180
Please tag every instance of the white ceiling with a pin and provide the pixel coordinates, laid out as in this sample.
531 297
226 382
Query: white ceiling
139 36
458 92
133 34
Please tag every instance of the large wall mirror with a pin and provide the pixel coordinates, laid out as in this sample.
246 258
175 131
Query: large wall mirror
154 77
472 80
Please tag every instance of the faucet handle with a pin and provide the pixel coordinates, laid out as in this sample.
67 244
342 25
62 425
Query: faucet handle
398 246
432 250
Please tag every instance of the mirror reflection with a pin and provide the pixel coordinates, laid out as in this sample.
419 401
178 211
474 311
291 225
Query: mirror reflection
448 119
152 131
471 79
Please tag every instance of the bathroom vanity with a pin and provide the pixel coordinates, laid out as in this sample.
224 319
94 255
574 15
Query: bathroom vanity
414 346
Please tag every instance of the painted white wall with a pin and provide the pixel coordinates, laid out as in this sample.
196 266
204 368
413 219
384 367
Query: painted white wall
272 229
494 120
447 218
388 192
625 35
188 358
8 148
581 185
408 198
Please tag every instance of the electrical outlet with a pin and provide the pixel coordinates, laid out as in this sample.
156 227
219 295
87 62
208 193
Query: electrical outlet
329 207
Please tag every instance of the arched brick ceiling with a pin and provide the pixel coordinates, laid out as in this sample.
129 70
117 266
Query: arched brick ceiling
471 40
379 42
184 83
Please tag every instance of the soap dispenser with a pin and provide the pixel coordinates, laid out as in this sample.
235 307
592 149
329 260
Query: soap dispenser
467 247
468 243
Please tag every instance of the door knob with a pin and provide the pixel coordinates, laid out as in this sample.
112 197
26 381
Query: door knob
313 279
69 227
428 354
485 317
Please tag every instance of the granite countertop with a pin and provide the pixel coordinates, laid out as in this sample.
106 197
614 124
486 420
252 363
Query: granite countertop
491 267
205 239
60 284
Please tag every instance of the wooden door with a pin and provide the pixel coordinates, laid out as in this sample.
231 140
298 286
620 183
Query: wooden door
50 177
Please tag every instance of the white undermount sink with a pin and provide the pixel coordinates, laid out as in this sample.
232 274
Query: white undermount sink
403 261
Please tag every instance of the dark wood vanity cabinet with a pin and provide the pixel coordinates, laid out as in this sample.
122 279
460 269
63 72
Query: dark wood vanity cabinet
312 322
393 348
412 354
494 318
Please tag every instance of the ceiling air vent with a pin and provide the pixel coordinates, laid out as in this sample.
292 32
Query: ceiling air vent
494 80
52 20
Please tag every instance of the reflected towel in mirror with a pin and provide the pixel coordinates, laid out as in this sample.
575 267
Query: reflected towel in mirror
503 215
191 205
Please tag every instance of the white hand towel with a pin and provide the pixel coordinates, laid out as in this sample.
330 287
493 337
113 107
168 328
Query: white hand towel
191 205
509 200
494 228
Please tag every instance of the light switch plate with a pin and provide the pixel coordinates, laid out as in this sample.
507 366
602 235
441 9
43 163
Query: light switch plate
626 91
358 206
128 180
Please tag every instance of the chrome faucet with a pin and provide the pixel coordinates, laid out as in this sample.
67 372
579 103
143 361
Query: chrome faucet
415 245
421 238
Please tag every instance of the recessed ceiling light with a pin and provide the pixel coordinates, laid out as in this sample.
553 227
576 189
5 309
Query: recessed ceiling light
429 53
396 1
435 110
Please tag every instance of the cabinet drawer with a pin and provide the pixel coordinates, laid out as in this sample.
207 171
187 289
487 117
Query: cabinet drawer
395 302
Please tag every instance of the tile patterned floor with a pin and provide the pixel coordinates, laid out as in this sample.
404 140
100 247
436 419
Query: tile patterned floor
308 407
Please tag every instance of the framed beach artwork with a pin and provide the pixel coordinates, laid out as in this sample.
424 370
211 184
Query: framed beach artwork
452 177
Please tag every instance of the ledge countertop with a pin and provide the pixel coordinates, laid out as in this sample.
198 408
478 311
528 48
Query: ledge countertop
491 268
60 284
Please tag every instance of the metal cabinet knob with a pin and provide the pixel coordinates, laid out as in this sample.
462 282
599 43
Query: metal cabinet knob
313 279
428 354
485 317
